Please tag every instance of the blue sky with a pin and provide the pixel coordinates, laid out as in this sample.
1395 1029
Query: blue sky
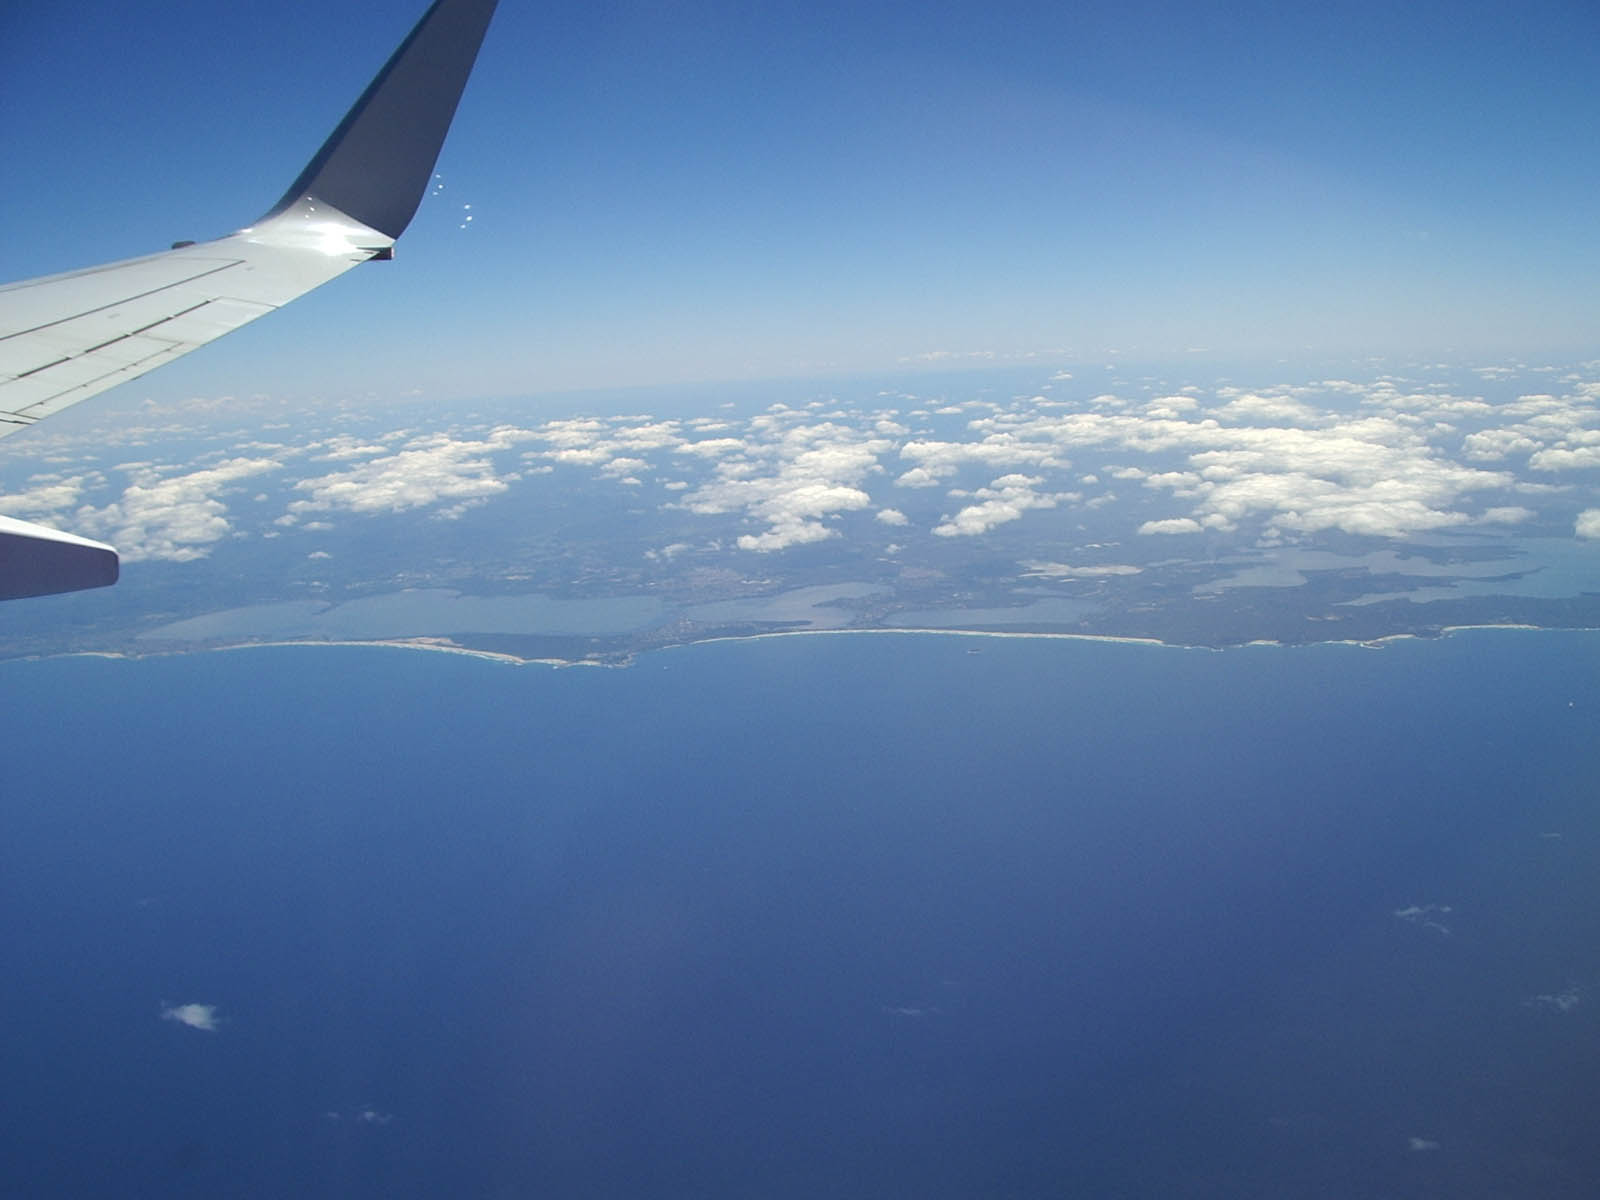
698 191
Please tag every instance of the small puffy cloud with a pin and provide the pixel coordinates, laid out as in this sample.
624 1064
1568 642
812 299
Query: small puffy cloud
891 516
647 435
1171 525
1560 458
1421 1145
917 477
1180 483
1253 409
1171 406
576 456
1509 514
1588 523
1491 445
48 494
195 1016
1005 500
786 532
343 448
712 447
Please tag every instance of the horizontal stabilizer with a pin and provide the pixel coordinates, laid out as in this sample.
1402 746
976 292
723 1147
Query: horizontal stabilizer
35 561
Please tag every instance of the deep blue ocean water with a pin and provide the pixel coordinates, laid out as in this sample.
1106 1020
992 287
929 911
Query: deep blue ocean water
861 916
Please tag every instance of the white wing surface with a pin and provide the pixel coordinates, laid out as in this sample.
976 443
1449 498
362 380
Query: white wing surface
64 338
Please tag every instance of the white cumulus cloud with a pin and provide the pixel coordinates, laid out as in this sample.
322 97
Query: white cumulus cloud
808 474
1004 500
175 518
1171 525
428 470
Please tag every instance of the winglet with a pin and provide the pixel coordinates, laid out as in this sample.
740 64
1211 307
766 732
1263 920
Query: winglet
375 166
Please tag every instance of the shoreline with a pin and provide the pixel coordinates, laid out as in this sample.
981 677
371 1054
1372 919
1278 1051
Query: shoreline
447 645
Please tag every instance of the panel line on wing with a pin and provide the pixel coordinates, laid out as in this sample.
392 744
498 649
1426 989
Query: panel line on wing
155 291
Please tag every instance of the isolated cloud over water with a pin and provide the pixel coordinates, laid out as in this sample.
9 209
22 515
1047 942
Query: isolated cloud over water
195 1016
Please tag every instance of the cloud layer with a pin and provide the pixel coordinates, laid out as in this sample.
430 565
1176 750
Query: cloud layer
1185 469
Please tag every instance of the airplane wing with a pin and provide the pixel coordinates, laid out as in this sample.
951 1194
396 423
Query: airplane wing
64 338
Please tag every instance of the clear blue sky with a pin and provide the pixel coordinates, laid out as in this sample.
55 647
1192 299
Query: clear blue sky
679 191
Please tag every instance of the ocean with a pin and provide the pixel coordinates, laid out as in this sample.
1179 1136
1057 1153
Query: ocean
832 915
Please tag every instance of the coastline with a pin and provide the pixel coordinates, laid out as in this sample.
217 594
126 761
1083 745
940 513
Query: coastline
447 645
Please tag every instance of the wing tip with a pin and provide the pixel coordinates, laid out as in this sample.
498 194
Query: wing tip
38 561
376 164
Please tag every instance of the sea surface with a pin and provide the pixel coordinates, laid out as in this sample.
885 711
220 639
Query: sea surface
843 916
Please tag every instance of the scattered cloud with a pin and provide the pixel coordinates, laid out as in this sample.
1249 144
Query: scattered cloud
1004 500
668 553
361 1116
796 481
1426 916
1563 1001
48 494
428 470
170 517
1273 465
997 451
